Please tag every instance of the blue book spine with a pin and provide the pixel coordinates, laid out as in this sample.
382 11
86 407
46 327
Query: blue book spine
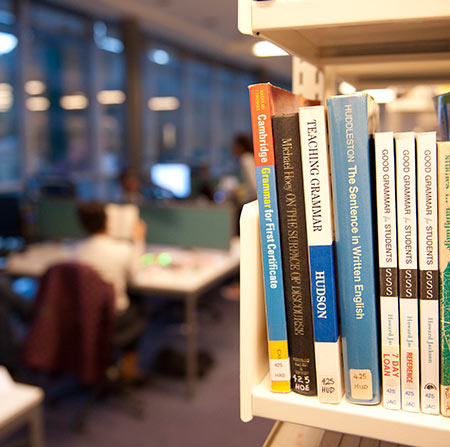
350 119
321 259
261 115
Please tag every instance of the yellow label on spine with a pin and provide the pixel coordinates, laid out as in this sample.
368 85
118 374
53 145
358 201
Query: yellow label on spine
279 386
280 372
278 349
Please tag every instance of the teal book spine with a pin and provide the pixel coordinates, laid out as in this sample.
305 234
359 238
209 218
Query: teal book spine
444 270
351 120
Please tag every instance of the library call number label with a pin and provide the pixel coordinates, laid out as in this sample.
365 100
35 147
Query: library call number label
361 384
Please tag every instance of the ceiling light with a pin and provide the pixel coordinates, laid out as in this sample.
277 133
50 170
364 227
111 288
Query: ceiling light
6 97
5 87
109 97
7 42
381 95
346 89
74 102
267 49
37 104
163 103
111 44
158 56
35 87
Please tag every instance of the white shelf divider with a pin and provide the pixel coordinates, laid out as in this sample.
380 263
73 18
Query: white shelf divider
254 357
415 429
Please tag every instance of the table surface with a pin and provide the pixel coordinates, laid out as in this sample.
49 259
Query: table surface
164 268
17 400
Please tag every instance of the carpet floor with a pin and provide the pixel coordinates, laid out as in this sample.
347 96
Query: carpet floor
209 419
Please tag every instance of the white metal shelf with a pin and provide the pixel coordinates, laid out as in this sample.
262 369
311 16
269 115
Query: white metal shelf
414 429
405 37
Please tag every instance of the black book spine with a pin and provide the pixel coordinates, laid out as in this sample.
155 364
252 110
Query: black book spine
295 252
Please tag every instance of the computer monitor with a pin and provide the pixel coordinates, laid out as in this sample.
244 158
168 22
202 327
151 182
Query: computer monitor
173 177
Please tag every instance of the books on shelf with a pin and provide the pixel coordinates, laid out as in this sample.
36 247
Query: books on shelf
408 275
427 217
380 197
351 119
443 154
294 249
320 233
267 100
388 268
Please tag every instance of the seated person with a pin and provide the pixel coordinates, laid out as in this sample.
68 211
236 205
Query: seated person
115 261
130 187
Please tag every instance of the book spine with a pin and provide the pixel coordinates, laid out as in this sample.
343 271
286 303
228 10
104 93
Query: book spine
443 148
442 104
351 168
407 262
261 114
294 248
388 268
319 224
427 213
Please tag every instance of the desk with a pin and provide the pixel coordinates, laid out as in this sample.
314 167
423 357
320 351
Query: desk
191 273
22 404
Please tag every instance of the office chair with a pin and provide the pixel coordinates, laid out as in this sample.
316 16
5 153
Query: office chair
72 332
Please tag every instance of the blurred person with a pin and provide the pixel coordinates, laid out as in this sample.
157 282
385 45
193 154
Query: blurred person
130 187
115 261
202 184
243 149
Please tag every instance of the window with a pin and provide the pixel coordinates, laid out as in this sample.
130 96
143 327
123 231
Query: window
57 91
200 89
164 103
74 98
9 145
110 96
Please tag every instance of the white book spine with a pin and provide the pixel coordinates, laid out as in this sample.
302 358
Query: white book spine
319 223
428 271
388 268
407 262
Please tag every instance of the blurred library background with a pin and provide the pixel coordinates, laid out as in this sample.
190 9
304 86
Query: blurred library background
83 97
143 102
90 94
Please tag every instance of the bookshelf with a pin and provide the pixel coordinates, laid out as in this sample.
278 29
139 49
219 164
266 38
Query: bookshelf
415 429
369 45
364 43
